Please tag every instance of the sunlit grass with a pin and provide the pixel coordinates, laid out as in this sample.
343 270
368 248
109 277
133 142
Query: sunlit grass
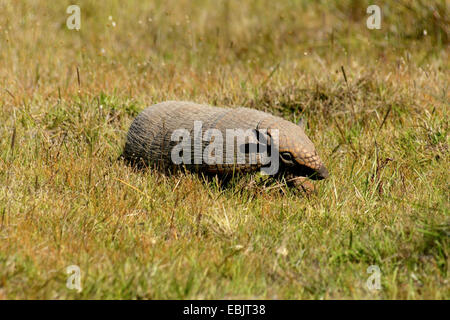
65 198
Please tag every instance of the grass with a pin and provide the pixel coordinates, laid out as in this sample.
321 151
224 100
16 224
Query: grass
383 133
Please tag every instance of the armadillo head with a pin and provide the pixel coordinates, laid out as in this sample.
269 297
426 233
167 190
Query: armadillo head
298 155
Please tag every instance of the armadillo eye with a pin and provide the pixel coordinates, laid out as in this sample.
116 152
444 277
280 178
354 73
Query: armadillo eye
286 157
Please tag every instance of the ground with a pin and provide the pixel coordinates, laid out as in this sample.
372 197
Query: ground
376 107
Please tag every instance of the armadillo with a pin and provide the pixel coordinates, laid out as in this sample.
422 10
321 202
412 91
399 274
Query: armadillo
149 139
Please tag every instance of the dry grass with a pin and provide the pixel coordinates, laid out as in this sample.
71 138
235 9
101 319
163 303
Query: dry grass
64 199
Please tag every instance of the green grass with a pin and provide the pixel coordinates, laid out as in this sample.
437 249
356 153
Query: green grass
65 199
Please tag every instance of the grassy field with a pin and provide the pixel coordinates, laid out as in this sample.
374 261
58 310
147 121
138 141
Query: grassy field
67 99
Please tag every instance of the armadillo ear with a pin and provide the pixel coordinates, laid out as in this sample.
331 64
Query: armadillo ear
248 148
259 137
301 123
262 136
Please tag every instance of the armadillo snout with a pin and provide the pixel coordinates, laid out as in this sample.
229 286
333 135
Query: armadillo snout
304 170
312 166
322 173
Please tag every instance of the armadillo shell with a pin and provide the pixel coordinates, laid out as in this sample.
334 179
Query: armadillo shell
149 137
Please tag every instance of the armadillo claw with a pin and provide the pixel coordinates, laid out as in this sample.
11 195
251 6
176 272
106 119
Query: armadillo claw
303 184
